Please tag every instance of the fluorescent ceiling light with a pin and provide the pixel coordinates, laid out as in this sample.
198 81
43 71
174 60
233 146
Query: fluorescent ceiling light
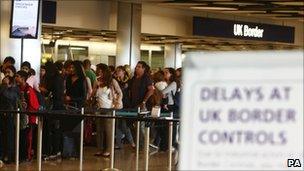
268 15
182 4
242 11
150 47
236 3
213 8
298 3
77 48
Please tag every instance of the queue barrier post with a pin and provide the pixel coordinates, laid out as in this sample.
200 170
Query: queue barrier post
81 141
112 153
17 132
39 141
113 140
170 143
147 142
137 141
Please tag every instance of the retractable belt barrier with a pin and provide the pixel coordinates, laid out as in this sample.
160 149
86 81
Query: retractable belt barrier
127 114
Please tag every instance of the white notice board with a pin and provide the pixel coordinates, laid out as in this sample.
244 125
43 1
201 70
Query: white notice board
24 19
242 111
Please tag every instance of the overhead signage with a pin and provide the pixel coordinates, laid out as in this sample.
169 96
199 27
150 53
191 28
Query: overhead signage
245 31
24 19
242 30
242 111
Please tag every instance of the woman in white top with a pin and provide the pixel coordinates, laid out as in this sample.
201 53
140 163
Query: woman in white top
170 90
108 95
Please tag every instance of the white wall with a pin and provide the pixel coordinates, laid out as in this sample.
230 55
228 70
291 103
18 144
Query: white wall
12 47
165 21
83 14
9 47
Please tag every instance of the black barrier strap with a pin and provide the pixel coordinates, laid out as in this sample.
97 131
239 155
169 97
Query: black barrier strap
78 115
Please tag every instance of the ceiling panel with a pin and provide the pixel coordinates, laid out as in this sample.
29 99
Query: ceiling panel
292 9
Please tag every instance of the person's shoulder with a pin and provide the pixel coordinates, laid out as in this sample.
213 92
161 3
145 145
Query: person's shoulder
90 72
29 89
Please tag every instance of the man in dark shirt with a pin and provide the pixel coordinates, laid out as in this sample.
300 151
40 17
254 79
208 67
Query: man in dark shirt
141 86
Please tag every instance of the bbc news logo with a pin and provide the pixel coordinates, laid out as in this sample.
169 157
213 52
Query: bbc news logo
294 163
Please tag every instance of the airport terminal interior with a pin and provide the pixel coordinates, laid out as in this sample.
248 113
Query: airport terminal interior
111 33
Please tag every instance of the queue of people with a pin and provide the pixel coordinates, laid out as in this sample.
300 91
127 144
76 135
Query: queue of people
69 85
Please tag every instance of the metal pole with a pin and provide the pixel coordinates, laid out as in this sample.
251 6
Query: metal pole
21 55
113 141
147 142
17 139
39 141
137 141
170 143
81 141
112 159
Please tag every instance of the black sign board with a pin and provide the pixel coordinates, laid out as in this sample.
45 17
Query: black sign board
242 30
49 11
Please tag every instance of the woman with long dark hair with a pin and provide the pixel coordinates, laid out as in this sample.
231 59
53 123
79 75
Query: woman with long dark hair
76 85
76 88
54 86
108 95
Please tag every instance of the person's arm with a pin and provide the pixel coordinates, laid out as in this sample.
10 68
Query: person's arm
32 100
171 87
94 89
36 84
117 90
89 86
148 94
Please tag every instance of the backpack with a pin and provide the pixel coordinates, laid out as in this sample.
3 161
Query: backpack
41 100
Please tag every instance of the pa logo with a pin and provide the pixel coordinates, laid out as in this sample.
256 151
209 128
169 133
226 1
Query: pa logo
294 163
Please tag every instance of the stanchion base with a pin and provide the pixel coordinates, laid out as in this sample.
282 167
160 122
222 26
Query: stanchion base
109 169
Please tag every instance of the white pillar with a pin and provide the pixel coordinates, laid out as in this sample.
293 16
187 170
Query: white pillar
12 47
173 55
128 34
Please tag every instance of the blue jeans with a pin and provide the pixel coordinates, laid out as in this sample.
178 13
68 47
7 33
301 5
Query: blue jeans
122 128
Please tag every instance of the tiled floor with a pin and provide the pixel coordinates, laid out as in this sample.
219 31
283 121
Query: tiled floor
124 160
